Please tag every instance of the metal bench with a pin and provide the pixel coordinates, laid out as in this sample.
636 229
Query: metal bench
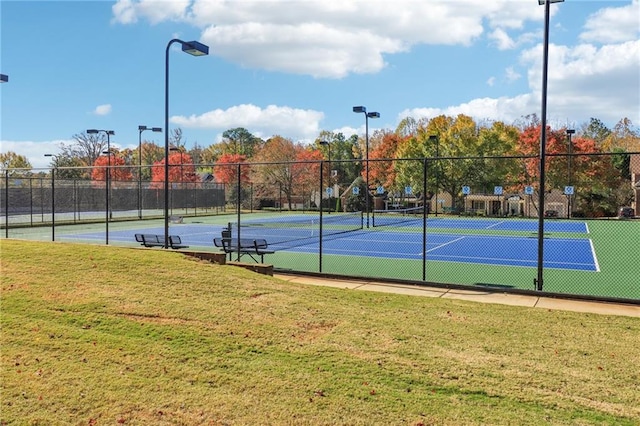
249 246
154 240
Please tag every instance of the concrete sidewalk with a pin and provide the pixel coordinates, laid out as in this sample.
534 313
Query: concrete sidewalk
532 301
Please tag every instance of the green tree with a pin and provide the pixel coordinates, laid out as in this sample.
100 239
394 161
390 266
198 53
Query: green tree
86 148
240 141
11 160
595 130
69 167
344 153
286 168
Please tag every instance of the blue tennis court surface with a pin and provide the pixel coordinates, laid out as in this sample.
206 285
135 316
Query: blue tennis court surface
559 252
488 224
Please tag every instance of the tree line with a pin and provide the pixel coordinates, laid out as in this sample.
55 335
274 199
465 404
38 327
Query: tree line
460 152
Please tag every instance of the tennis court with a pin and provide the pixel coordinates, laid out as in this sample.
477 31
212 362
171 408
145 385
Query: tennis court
344 235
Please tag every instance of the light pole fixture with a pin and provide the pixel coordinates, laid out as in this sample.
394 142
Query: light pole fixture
194 48
569 161
53 199
4 78
367 115
109 133
539 282
140 130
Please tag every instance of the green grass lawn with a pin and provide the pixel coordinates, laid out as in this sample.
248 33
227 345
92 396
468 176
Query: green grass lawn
104 335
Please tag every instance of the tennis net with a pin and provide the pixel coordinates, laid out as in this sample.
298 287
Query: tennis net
291 230
397 216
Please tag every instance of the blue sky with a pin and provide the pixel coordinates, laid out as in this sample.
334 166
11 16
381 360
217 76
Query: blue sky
297 67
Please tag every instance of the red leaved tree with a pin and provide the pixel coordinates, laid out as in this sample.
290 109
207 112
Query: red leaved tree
226 169
181 170
383 172
116 174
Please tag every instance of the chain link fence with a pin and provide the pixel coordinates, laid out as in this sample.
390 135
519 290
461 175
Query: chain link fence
483 222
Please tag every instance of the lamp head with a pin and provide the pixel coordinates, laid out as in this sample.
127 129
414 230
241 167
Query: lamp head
571 131
324 142
360 109
433 137
195 48
4 78
541 2
141 128
96 131
373 114
156 129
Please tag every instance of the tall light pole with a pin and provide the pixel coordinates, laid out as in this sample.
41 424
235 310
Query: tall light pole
109 133
539 282
367 115
569 161
328 145
436 140
194 48
140 130
53 199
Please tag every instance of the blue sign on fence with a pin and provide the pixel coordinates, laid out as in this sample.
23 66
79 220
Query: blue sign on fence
355 190
466 190
497 190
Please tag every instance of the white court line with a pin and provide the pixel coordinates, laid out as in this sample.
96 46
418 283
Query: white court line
495 224
593 253
455 240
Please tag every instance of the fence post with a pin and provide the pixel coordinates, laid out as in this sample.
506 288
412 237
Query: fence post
425 163
107 181
6 203
320 227
238 206
53 204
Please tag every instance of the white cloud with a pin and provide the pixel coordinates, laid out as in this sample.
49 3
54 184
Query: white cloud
613 24
124 12
310 49
337 38
102 109
156 11
330 38
269 121
504 109
602 81
502 39
512 74
34 151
